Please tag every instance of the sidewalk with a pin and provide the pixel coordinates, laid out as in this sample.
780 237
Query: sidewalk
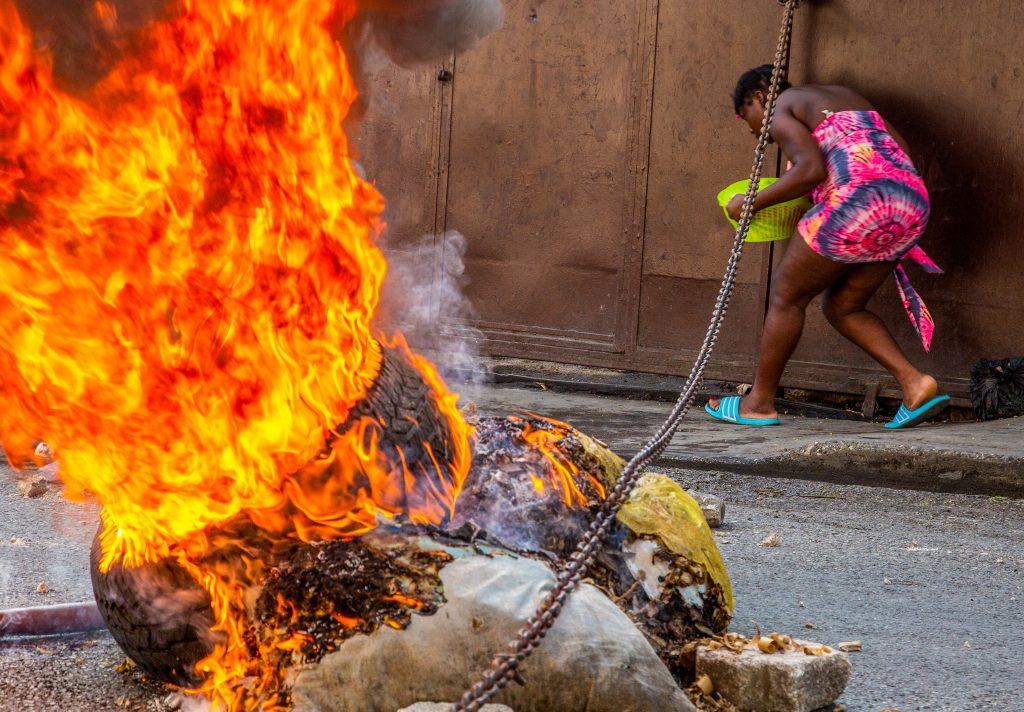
973 458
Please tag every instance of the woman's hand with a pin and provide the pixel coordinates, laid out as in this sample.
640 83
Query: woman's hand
735 206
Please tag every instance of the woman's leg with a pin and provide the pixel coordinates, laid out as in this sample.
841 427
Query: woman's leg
845 307
802 275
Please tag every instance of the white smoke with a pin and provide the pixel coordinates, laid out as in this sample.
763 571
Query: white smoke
86 42
420 31
423 292
423 297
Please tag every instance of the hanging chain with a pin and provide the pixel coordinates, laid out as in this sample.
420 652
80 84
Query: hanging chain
504 667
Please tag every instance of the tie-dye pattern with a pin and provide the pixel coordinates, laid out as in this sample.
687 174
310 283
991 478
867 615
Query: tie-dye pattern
872 207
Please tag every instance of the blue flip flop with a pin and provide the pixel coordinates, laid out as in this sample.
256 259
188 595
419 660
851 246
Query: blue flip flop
906 418
728 411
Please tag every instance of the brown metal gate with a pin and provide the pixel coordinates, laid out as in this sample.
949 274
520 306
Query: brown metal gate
544 137
580 149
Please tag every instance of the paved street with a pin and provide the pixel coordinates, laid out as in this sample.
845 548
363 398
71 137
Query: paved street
45 540
932 584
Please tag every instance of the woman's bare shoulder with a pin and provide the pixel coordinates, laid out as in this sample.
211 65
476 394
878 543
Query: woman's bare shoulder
807 102
834 97
800 102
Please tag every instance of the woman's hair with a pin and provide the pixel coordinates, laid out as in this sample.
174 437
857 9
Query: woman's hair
756 79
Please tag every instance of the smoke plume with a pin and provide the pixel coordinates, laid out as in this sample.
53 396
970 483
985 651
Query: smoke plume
87 37
423 297
418 31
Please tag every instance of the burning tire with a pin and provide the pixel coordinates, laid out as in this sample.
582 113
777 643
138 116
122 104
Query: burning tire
161 617
533 487
158 614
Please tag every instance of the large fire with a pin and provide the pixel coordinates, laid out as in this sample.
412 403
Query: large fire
188 273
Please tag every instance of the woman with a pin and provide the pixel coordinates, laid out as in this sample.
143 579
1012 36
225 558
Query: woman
870 209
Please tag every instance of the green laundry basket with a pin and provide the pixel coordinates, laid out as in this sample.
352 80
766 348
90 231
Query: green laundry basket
773 223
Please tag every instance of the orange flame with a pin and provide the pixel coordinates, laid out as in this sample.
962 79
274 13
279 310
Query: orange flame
407 601
187 279
346 621
563 470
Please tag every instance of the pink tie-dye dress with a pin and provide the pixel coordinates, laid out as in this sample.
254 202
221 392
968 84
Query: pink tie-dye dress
873 207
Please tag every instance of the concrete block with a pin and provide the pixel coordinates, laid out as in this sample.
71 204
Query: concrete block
786 681
713 508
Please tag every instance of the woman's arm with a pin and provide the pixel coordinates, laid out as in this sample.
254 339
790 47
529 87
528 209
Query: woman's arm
807 170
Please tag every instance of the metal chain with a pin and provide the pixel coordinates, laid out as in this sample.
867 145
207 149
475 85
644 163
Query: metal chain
504 667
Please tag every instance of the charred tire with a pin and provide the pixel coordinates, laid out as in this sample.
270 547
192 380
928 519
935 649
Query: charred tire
161 616
400 402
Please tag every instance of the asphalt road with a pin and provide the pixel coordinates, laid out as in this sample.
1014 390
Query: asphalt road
45 540
932 584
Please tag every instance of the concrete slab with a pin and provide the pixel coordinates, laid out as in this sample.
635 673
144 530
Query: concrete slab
784 681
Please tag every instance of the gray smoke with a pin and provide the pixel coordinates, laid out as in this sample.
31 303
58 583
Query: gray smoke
423 297
422 293
419 31
86 43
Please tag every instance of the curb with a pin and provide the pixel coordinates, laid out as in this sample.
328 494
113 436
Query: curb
932 470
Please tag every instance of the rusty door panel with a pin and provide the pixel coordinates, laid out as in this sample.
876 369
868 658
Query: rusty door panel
697 148
538 181
949 79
